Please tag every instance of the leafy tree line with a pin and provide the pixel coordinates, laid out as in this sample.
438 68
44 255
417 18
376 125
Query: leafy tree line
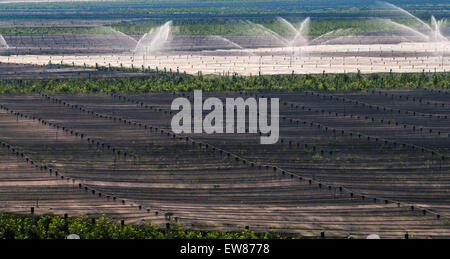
226 27
56 30
316 28
55 227
167 82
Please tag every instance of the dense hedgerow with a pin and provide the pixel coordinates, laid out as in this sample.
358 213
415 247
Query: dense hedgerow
55 227
226 27
174 82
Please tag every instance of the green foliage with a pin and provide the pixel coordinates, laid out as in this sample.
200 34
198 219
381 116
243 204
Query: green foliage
316 157
55 227
56 30
173 82
135 28
339 27
231 27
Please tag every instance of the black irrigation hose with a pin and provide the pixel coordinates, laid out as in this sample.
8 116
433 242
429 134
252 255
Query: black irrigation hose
383 108
359 134
278 169
51 169
420 100
130 123
334 130
426 115
61 176
409 97
70 131
290 142
438 90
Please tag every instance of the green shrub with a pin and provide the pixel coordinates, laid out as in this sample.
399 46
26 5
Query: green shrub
326 82
55 227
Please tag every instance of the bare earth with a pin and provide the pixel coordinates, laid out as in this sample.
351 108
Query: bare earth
338 58
340 167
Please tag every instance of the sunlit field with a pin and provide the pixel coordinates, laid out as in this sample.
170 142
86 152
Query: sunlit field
87 147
